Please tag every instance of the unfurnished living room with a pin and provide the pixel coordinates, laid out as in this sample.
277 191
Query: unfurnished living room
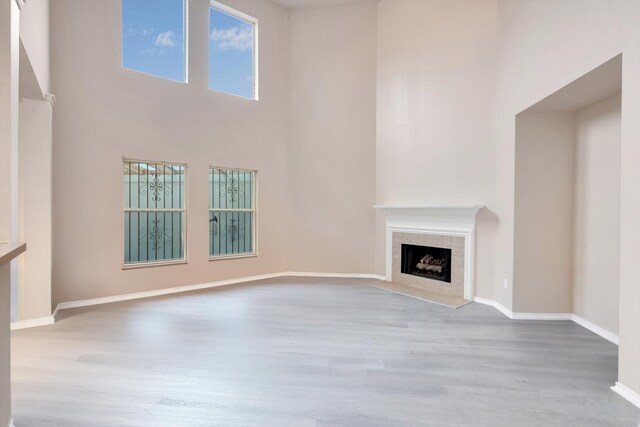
319 213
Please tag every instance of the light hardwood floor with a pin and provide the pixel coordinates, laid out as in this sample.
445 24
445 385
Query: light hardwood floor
310 352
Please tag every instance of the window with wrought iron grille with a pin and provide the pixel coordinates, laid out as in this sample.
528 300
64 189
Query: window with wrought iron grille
154 212
232 212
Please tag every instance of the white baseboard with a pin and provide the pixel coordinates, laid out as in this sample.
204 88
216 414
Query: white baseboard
32 323
160 292
180 289
346 275
609 336
627 393
541 316
495 304
11 423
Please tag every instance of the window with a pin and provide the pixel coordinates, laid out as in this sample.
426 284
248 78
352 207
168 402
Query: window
232 51
154 37
154 212
232 212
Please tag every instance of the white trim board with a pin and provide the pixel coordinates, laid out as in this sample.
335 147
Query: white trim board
495 304
609 336
338 275
11 423
627 393
541 316
32 323
187 288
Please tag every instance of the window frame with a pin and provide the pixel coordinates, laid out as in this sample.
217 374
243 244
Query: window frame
124 209
234 13
185 35
254 211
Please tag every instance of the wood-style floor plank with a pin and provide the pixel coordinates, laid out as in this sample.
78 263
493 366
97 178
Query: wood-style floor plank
310 352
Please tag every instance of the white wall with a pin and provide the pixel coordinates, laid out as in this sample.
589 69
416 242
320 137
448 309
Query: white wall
104 112
5 342
435 113
544 214
331 155
34 284
9 72
34 33
542 47
567 213
311 137
596 271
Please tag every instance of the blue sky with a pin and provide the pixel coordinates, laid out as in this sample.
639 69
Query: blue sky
231 53
153 37
153 42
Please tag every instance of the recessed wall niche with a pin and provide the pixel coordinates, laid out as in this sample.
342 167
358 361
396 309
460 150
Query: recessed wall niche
567 200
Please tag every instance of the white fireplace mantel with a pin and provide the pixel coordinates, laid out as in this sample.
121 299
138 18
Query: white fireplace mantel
438 213
452 220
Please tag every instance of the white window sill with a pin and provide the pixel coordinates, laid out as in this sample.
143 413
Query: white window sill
153 264
233 256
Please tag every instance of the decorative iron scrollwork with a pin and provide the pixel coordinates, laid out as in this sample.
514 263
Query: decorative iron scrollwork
232 189
157 237
234 229
156 234
157 186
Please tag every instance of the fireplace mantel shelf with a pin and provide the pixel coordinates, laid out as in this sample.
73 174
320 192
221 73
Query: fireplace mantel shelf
434 212
475 208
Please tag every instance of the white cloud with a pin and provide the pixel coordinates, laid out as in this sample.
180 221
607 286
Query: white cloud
166 39
141 32
150 51
233 38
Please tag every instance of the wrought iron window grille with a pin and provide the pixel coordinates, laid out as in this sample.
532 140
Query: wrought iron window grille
232 212
154 212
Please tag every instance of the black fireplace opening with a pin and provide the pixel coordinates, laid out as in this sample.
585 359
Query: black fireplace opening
426 261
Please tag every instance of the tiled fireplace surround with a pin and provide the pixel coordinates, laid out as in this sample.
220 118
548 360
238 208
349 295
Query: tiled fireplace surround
442 226
455 243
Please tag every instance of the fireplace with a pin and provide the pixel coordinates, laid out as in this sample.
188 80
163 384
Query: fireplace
436 226
426 261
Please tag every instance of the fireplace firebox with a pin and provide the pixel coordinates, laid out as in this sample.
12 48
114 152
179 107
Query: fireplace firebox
426 261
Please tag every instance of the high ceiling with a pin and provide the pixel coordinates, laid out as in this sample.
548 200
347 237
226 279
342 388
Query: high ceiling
297 4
